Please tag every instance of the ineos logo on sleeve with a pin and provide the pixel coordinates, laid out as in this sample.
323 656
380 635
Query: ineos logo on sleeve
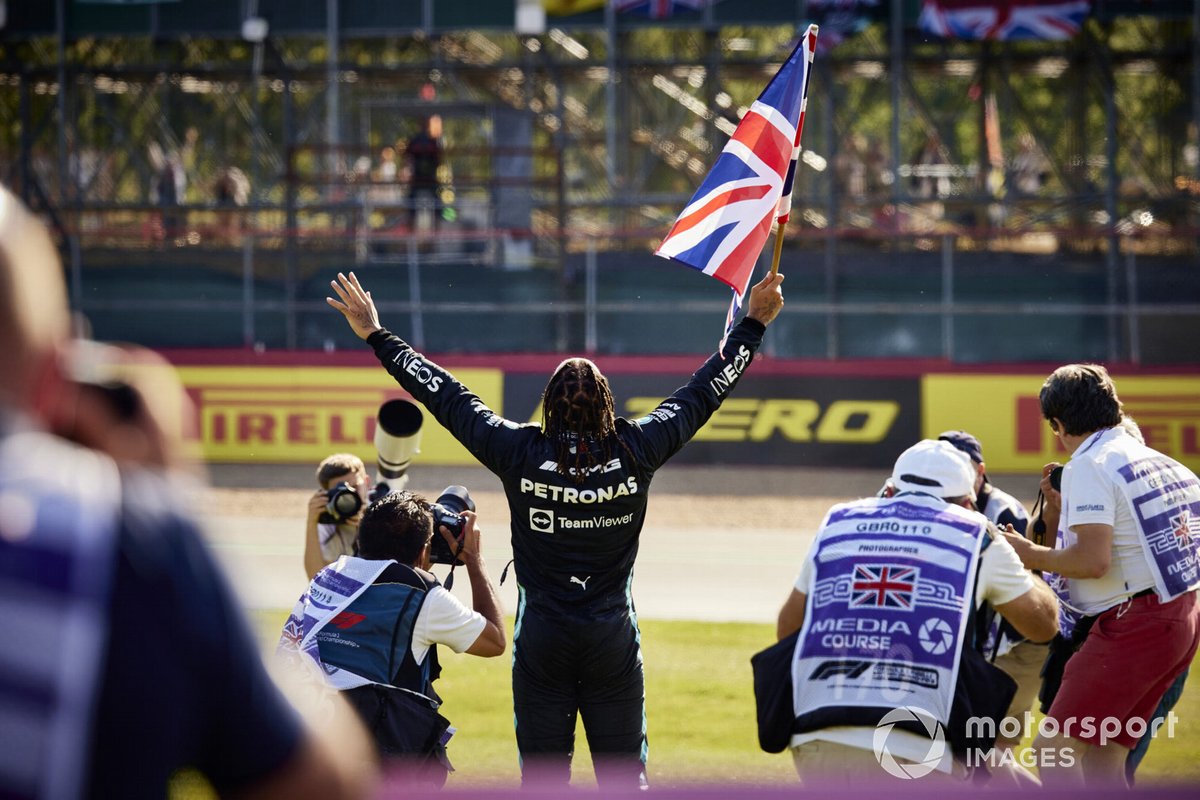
541 520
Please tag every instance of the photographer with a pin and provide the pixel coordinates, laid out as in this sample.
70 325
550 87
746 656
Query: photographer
1130 523
374 630
329 535
1007 649
919 559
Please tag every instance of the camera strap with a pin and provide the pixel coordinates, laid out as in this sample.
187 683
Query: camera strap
449 582
1039 519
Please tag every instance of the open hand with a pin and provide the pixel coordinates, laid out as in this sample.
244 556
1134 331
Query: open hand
356 305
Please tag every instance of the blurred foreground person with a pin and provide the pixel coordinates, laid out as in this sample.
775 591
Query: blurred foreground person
577 488
1130 522
125 657
888 629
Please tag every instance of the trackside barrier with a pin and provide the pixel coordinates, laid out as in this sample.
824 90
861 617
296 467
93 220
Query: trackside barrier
298 407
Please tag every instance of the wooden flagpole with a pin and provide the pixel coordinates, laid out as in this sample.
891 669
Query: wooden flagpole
778 248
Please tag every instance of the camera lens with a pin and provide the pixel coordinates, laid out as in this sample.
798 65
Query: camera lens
457 499
344 501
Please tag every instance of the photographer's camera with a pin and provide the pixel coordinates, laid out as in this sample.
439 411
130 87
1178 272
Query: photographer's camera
343 503
447 511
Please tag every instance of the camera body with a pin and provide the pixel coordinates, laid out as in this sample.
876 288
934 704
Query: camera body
1056 478
447 511
342 502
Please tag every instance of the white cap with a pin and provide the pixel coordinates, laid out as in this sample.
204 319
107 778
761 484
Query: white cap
935 467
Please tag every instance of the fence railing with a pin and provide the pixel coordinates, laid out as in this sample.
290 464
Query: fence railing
854 292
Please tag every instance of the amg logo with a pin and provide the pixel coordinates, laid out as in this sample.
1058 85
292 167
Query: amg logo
611 466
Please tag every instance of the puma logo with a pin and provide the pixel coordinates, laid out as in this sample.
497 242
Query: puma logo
583 582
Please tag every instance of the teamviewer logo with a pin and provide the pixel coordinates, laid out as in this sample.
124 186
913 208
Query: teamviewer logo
541 520
908 770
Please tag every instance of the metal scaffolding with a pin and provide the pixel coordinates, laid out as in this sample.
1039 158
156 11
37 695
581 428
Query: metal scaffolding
591 136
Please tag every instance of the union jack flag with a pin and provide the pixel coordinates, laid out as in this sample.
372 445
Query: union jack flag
1181 528
1003 19
659 9
883 586
724 226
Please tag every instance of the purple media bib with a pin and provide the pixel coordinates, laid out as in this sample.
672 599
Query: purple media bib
1164 496
889 607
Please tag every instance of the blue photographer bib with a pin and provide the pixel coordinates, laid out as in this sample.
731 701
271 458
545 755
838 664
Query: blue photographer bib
888 610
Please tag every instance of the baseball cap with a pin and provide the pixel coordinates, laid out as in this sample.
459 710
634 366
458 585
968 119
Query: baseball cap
935 467
965 442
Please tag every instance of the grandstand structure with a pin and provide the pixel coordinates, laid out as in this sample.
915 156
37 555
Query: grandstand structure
209 164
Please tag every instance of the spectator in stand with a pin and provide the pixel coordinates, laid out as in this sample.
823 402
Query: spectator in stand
424 156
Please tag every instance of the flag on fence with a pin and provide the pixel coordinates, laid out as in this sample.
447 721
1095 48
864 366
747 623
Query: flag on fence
841 19
722 229
1003 19
660 9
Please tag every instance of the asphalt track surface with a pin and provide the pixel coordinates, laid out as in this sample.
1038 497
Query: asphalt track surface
720 543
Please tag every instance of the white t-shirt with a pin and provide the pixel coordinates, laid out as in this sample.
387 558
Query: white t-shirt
445 620
1091 497
1002 579
336 540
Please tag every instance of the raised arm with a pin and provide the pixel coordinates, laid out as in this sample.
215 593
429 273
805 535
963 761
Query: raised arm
490 438
675 421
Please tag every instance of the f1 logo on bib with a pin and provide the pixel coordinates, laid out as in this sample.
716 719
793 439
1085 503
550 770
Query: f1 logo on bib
541 520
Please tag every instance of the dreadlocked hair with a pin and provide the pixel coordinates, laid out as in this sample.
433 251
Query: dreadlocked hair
577 414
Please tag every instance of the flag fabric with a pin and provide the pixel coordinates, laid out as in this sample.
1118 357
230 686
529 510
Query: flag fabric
723 228
1003 19
808 46
660 9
